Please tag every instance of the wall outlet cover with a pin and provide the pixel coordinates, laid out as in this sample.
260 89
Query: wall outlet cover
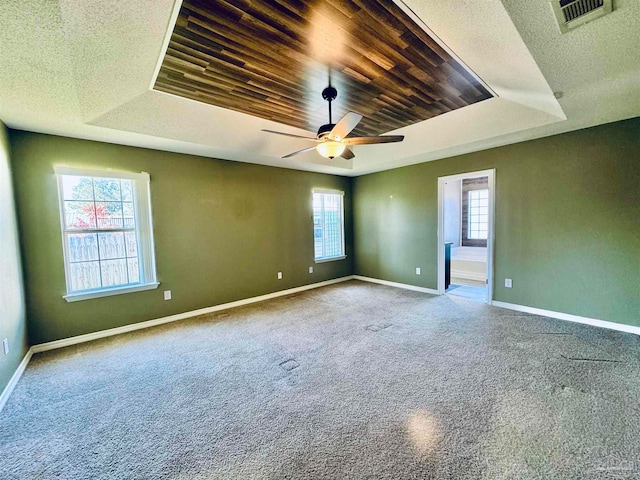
418 271
279 275
508 283
310 269
167 294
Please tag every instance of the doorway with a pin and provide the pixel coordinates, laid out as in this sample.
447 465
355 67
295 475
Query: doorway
466 205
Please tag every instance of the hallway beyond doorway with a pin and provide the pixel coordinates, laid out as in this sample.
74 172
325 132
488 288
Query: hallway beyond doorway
469 292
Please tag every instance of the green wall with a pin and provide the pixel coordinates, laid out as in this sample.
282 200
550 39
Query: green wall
567 227
12 308
222 232
567 221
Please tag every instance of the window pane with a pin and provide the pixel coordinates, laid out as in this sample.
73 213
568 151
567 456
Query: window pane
478 214
317 201
134 270
84 276
126 188
327 225
111 245
114 273
107 189
77 188
79 214
129 215
103 259
131 242
109 214
82 247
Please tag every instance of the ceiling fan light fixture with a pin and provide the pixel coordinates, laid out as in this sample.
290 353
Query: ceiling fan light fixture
330 149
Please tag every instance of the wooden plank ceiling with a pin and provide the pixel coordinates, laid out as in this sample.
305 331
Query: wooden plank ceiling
271 59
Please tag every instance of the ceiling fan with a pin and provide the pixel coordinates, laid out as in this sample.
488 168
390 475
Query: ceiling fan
332 140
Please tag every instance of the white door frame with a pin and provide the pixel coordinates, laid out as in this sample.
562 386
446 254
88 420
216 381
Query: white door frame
491 174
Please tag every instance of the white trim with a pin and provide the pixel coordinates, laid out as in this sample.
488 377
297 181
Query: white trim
568 317
8 390
100 172
328 190
330 259
76 297
397 285
491 173
65 342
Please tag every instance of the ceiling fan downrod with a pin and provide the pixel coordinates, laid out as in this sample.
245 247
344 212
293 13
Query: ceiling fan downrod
329 94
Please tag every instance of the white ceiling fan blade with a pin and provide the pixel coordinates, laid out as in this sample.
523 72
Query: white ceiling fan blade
290 135
347 154
344 126
372 140
308 149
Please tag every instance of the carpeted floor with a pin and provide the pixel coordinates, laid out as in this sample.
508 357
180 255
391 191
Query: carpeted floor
350 381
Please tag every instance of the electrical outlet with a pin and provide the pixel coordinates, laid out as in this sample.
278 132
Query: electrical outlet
508 283
167 294
310 269
5 346
279 275
418 271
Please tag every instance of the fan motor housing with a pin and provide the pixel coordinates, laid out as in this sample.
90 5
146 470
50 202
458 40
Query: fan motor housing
324 130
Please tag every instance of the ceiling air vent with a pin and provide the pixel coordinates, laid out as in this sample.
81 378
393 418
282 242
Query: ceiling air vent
573 13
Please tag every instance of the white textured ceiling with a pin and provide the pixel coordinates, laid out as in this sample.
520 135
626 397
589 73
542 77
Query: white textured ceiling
83 68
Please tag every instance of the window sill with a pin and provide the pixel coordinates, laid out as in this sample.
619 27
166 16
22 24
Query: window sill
330 259
76 297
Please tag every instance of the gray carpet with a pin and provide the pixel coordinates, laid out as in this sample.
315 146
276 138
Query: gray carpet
349 381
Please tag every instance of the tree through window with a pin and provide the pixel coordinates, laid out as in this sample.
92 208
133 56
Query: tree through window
106 230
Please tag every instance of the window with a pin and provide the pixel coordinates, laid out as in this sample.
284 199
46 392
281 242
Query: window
106 232
328 225
478 214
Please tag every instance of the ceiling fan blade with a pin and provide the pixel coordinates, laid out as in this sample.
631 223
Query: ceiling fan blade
345 125
290 135
372 140
347 154
308 149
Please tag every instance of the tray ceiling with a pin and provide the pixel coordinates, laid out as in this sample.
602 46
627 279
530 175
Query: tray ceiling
102 58
272 60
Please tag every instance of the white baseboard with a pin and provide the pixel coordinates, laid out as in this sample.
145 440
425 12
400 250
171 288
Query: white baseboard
8 390
571 318
65 342
395 284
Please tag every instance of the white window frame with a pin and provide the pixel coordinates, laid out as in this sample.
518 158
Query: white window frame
144 231
469 216
343 254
